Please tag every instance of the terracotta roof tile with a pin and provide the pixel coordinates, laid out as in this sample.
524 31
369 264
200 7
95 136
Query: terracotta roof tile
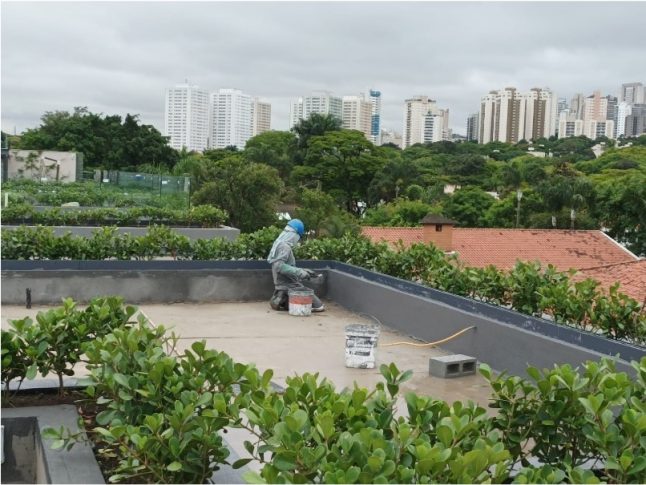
407 235
503 247
631 275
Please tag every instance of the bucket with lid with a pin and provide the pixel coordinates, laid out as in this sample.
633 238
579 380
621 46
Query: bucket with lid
360 345
300 302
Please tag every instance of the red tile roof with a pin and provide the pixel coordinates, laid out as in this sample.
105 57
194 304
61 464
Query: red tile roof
631 275
407 235
478 247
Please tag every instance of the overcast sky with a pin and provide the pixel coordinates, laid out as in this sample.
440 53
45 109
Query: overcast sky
119 58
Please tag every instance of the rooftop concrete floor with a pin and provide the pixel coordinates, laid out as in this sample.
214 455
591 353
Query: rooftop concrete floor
251 332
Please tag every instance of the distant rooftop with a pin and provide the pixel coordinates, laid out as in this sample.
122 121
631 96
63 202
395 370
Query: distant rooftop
476 247
631 275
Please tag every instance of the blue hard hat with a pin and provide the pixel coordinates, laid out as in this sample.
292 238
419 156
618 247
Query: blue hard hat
298 225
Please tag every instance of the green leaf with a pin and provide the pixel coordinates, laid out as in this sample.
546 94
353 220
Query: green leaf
241 462
58 444
174 466
285 461
252 477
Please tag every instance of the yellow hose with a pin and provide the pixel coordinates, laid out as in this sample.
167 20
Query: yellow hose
431 344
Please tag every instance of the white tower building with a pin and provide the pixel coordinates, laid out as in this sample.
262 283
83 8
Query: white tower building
357 114
415 111
321 102
231 119
260 117
186 117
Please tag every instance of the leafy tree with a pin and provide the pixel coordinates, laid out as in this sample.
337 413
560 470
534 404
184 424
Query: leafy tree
468 206
392 179
621 207
560 191
401 212
315 125
502 213
315 209
273 148
467 168
249 192
104 141
344 162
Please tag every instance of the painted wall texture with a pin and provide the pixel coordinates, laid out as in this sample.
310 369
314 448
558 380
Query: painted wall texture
45 165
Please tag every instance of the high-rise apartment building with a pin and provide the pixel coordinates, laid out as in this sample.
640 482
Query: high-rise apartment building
632 93
569 125
540 114
595 107
576 106
593 129
231 119
636 121
186 117
415 111
260 117
321 102
433 128
623 111
472 127
375 122
561 105
357 114
510 116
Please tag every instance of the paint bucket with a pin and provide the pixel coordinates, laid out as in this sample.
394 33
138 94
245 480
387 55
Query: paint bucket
360 345
300 302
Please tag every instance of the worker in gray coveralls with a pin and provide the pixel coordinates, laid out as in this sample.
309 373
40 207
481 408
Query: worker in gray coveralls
286 275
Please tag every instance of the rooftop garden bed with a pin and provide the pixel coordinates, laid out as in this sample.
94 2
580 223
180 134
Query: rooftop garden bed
528 288
160 414
197 216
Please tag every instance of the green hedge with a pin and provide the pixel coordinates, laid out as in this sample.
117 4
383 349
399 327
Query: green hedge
89 194
163 412
200 216
528 287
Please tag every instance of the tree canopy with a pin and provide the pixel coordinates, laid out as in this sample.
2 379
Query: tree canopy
109 142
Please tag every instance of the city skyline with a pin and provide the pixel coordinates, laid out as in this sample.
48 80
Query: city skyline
120 58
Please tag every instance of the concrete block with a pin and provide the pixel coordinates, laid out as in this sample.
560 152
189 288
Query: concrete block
456 365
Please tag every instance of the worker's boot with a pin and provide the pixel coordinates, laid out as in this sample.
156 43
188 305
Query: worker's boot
279 301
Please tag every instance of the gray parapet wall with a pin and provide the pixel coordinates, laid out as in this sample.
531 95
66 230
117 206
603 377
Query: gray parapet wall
193 233
504 339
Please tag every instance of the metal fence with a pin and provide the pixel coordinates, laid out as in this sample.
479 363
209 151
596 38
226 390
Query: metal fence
165 184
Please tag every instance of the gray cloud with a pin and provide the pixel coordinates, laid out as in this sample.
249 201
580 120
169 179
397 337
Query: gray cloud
120 57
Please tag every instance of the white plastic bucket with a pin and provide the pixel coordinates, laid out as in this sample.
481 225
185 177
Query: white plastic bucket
360 346
300 302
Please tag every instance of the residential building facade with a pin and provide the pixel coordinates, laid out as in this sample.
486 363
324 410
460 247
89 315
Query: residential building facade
424 122
632 93
375 121
357 115
260 117
321 102
636 121
186 117
510 116
230 118
472 127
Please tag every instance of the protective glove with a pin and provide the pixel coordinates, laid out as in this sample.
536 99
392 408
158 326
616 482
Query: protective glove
303 274
312 273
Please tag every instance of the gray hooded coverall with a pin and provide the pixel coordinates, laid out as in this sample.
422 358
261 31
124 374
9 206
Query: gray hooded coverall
286 275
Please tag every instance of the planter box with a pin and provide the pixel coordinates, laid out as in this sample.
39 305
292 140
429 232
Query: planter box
193 233
30 459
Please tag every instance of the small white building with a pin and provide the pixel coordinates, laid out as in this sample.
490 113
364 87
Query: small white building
45 165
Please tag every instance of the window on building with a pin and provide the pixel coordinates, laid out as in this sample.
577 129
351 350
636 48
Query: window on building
438 227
